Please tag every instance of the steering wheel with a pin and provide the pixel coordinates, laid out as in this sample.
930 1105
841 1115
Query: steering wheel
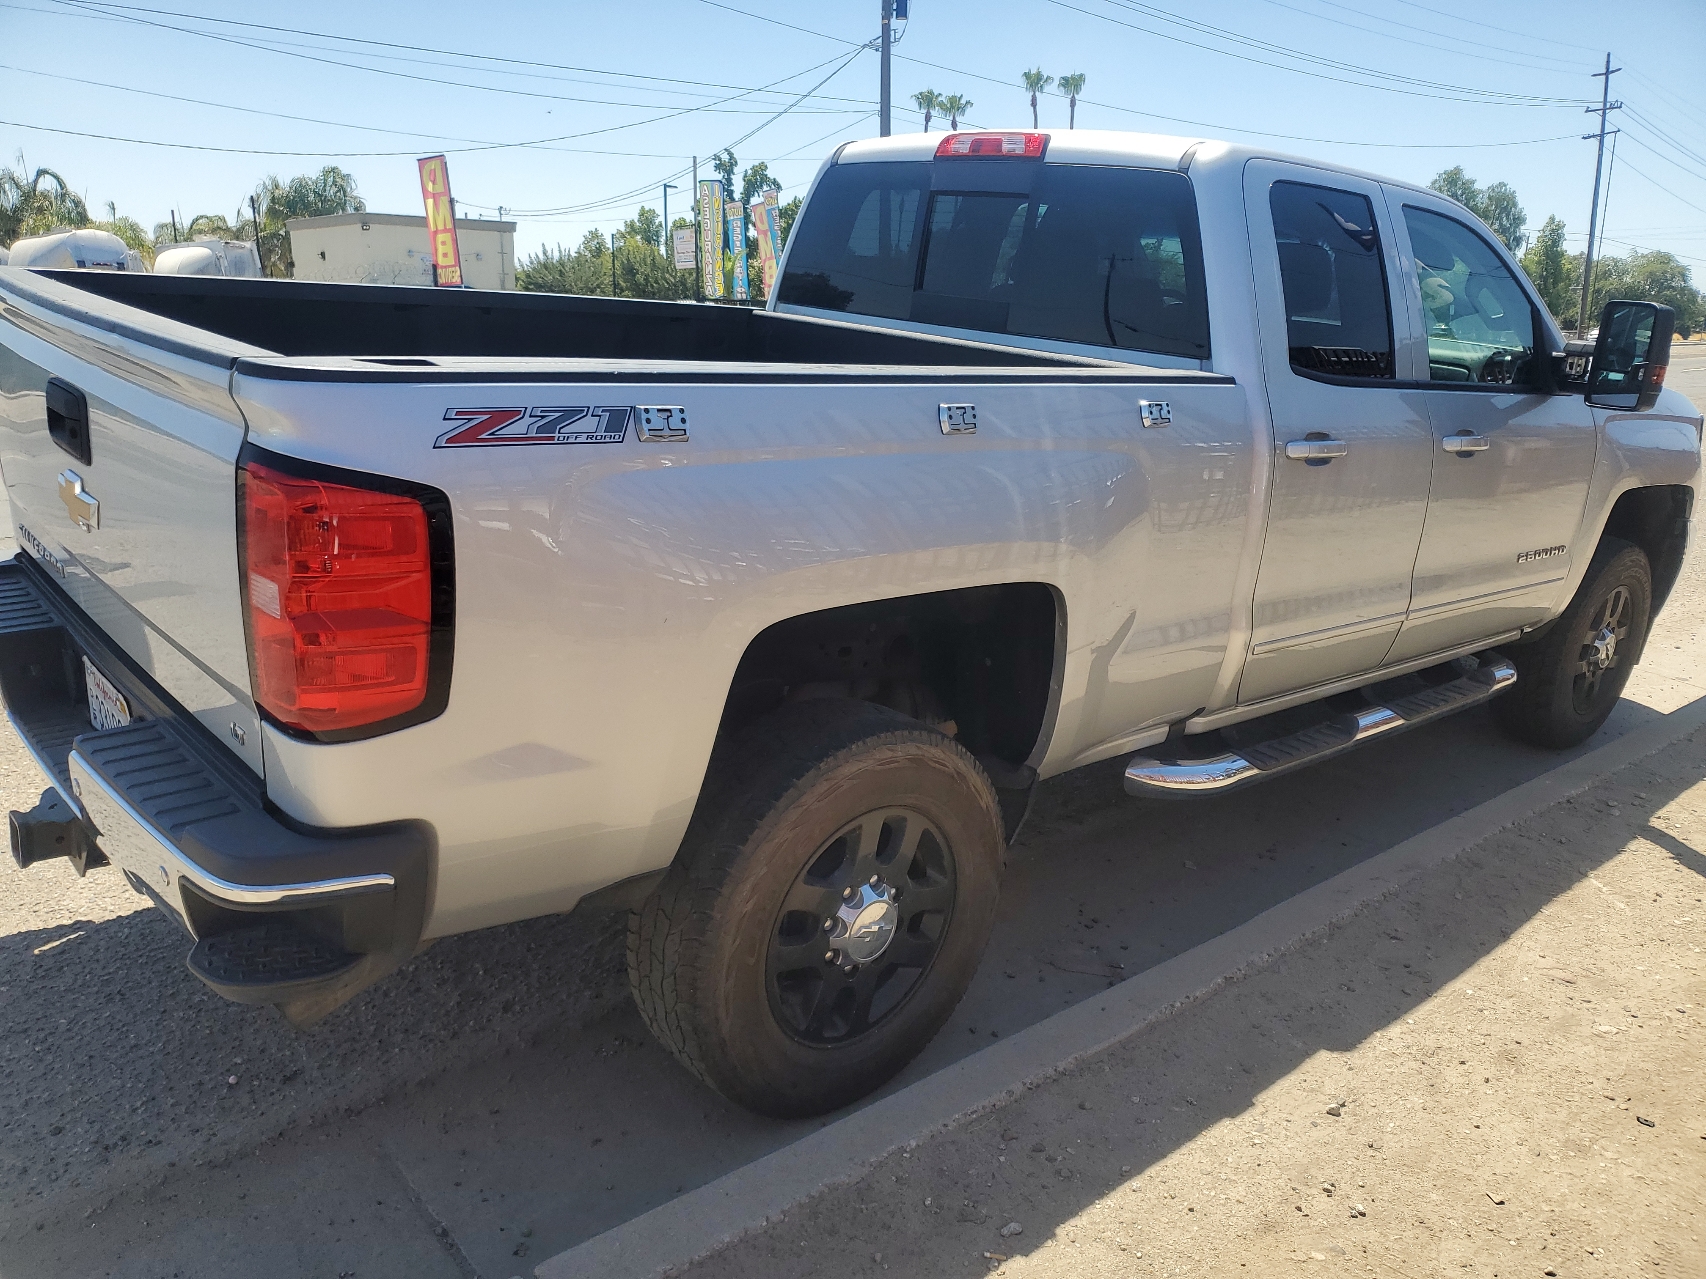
1500 367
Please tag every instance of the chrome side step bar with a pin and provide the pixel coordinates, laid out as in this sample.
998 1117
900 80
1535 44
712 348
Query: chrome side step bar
1146 775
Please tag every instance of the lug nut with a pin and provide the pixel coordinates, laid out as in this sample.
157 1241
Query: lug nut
829 956
875 881
846 894
829 925
851 969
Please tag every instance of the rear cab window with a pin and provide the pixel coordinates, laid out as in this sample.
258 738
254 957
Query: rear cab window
1091 254
1338 309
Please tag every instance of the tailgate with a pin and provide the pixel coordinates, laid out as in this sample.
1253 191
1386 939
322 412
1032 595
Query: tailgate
118 447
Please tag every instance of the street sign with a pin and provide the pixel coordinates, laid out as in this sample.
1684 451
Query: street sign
686 258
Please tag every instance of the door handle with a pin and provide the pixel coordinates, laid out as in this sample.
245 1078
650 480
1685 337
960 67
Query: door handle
1466 443
1315 450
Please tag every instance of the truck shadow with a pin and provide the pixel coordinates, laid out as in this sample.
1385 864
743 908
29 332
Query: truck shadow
519 1084
1038 1161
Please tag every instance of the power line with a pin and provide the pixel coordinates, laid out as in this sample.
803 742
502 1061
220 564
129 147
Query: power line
99 6
1434 12
405 75
1662 187
627 196
339 124
1155 115
1480 96
1503 58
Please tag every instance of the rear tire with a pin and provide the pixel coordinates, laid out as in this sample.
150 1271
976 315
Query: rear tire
1570 679
771 960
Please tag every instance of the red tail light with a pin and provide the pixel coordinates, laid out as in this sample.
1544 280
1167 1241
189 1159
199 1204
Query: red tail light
340 590
1025 146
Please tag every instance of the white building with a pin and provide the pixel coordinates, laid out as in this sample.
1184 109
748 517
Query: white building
389 248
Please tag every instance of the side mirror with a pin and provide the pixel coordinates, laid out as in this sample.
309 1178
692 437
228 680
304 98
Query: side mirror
1631 356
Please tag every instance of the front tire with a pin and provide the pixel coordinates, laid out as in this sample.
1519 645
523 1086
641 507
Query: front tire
1570 679
827 909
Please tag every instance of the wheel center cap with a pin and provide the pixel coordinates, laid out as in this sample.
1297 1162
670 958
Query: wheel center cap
1604 648
866 923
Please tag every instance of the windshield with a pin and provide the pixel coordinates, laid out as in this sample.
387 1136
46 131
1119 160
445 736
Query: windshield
1099 255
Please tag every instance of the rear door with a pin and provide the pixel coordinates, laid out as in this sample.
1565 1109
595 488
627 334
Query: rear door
1351 437
1511 463
142 535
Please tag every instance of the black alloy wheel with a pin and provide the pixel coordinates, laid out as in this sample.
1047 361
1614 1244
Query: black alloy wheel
861 926
1570 678
1608 632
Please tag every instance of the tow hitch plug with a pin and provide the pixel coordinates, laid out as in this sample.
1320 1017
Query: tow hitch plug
52 829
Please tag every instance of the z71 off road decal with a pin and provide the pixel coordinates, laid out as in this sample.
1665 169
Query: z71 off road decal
556 424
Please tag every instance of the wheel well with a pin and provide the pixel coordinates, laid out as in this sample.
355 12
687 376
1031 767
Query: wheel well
979 662
1656 520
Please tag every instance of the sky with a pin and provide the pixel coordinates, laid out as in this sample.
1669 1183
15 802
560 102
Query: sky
570 115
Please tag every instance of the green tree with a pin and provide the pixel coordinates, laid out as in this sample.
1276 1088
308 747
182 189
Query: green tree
755 182
203 226
308 195
954 106
1036 82
785 216
724 163
35 203
1496 205
927 101
1547 265
129 230
584 270
1071 86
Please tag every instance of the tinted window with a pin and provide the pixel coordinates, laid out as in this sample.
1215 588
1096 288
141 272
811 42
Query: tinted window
1104 256
1480 324
1337 315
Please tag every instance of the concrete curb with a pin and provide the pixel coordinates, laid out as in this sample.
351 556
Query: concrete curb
674 1235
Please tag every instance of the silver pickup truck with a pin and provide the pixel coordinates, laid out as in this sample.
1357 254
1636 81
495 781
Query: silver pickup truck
350 617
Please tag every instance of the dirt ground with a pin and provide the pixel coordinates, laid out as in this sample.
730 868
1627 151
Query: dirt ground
1496 1073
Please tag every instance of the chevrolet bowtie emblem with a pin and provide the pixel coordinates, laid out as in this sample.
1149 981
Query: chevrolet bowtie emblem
84 510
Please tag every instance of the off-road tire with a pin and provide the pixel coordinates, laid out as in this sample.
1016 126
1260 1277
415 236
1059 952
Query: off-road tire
697 948
1547 707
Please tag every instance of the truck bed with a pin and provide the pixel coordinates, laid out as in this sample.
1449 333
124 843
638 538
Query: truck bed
301 318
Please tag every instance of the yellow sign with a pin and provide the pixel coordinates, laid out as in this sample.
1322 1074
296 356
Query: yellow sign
441 222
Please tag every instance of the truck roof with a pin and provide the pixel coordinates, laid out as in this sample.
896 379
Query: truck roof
1107 146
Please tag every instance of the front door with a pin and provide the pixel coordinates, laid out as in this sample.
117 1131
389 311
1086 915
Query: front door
1511 463
1352 443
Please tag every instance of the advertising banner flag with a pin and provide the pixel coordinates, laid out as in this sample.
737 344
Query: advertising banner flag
737 245
686 257
441 222
766 228
711 237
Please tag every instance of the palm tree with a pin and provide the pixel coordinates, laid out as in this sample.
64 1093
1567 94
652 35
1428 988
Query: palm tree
927 101
1036 82
1071 86
36 203
954 106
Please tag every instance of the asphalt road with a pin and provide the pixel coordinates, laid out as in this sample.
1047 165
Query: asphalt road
498 1101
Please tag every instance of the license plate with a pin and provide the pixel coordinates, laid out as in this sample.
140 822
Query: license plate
107 707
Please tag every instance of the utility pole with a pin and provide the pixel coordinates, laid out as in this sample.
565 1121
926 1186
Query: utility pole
174 214
613 264
256 210
883 104
698 241
1605 105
